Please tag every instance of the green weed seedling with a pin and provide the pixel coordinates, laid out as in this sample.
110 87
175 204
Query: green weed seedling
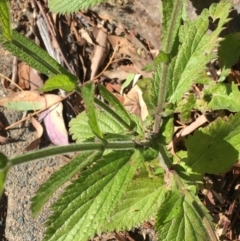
117 192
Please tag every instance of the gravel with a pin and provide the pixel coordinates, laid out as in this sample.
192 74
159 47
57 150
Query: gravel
22 183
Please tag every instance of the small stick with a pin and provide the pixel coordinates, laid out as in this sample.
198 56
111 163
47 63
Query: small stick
14 69
53 35
12 82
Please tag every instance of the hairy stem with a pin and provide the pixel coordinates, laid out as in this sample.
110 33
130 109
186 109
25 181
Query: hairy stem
167 165
162 77
52 151
161 97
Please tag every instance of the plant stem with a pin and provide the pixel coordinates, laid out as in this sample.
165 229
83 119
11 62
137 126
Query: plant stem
167 49
52 151
161 97
167 165
191 200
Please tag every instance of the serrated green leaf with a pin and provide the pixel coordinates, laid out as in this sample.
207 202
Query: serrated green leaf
65 6
172 14
147 87
116 137
81 130
150 153
5 19
196 50
36 57
185 107
105 107
186 57
167 130
153 167
217 147
140 202
139 125
228 56
224 96
181 218
209 154
227 130
88 97
161 58
59 177
60 81
181 215
170 209
86 204
216 10
116 104
2 38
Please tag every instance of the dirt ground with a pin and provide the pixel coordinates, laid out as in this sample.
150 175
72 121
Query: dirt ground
23 181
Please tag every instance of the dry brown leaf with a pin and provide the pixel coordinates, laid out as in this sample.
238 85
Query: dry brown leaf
116 74
125 46
202 119
39 132
209 199
128 49
24 76
28 78
135 104
120 237
139 66
24 100
136 42
113 87
100 52
35 79
3 139
5 83
85 35
223 225
120 98
129 68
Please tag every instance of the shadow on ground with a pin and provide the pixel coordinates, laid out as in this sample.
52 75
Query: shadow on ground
3 215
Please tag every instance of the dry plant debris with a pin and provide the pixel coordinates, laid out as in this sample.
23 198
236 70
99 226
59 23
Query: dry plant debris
85 44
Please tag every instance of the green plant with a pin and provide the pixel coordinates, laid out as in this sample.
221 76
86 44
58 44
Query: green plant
115 190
